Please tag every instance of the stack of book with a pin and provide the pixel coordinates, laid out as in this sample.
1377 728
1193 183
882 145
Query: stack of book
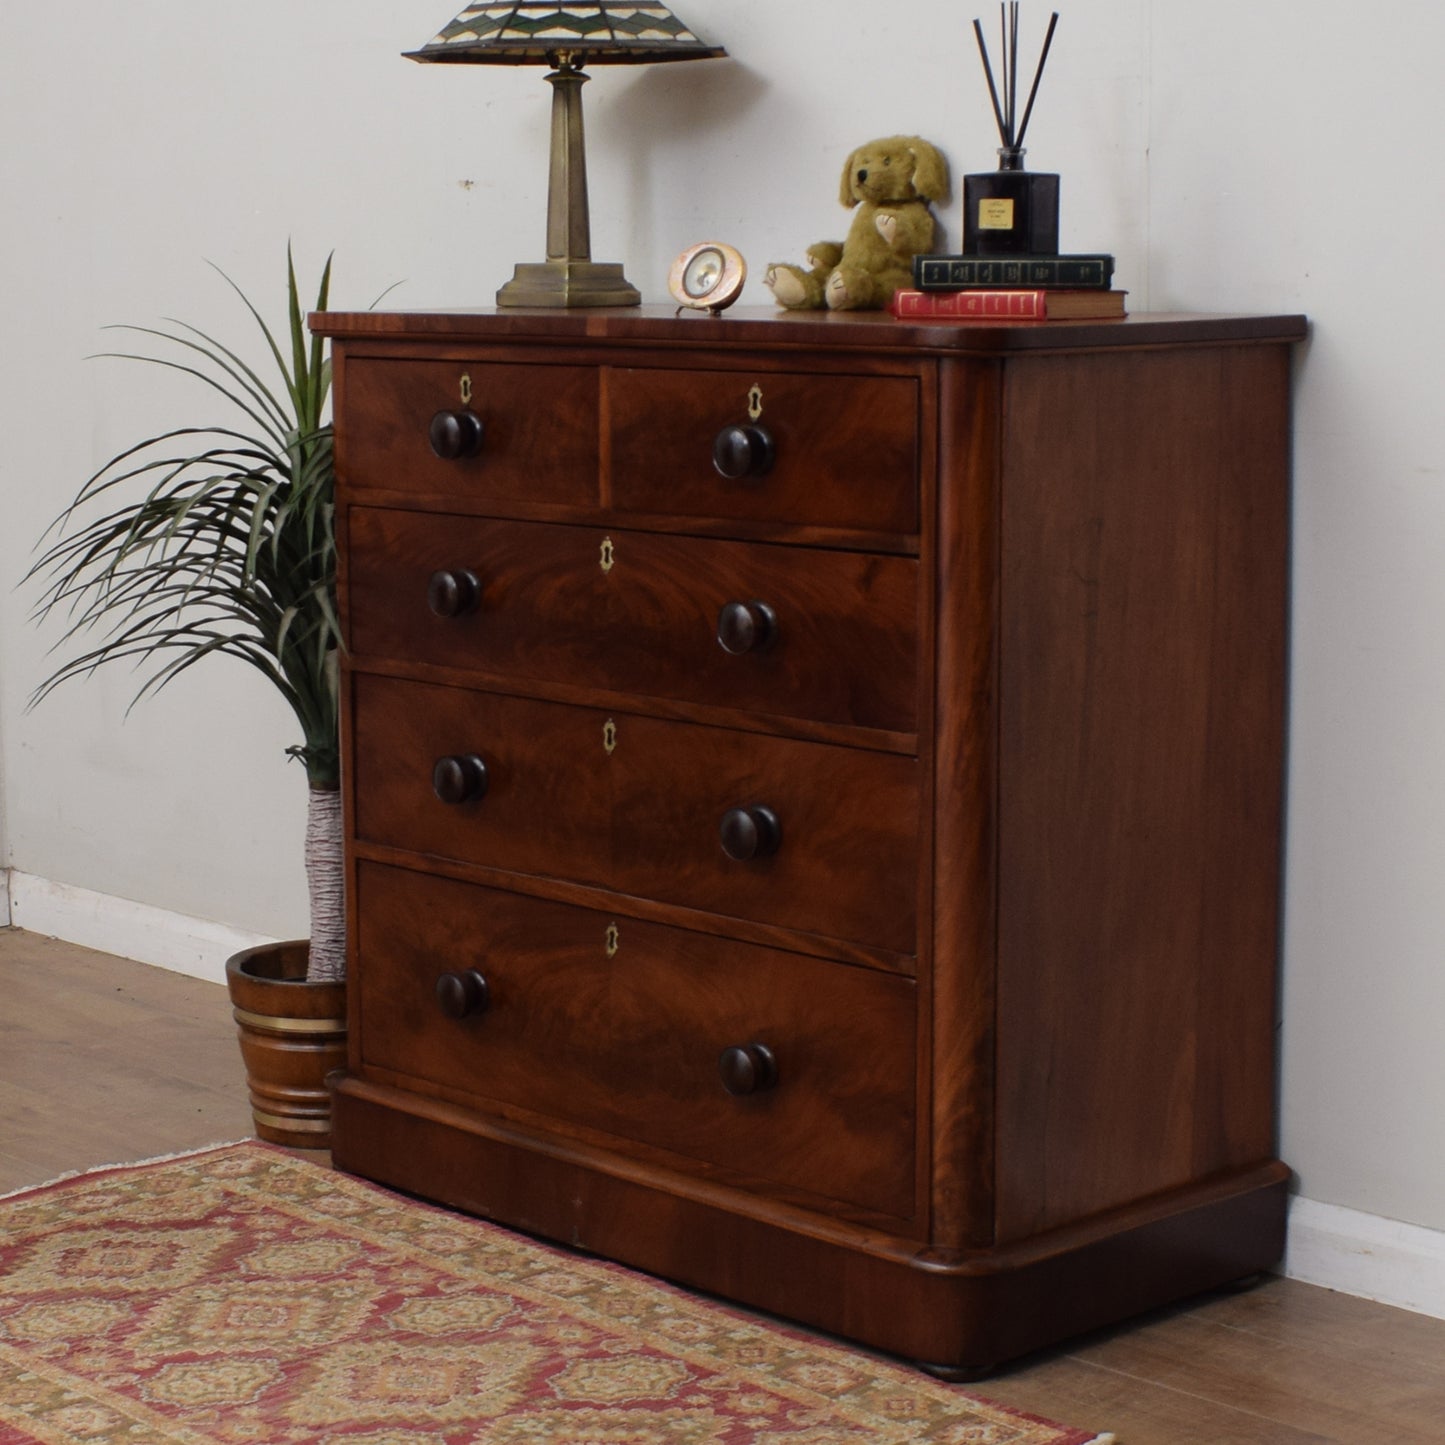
1013 288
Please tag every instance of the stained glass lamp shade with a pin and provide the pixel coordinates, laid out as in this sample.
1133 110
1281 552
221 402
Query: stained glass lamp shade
566 37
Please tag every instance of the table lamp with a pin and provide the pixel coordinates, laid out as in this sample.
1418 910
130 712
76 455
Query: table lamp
566 37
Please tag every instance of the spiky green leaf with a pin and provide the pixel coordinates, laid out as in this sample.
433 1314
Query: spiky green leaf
226 547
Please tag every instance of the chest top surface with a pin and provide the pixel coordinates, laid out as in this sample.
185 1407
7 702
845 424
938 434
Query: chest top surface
756 326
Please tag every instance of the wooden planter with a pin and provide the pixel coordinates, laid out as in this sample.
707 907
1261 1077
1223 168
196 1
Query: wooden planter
293 1034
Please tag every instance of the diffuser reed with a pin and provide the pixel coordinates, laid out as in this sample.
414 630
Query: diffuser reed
1006 113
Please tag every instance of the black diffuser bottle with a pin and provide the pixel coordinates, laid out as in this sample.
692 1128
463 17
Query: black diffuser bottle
1011 211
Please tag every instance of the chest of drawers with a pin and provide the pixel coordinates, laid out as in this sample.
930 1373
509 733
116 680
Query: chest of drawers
813 801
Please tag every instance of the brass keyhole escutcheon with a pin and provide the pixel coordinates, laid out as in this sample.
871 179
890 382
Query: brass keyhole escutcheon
614 940
609 736
609 554
755 402
466 389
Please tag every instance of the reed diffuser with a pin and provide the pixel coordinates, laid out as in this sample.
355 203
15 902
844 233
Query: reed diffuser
1011 211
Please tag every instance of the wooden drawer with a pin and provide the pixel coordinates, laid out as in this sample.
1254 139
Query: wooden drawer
539 442
845 447
623 1032
638 613
645 818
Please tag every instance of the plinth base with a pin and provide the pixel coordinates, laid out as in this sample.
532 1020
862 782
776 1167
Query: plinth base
962 1313
569 283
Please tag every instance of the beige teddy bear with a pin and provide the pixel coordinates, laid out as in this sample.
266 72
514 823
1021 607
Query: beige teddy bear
891 181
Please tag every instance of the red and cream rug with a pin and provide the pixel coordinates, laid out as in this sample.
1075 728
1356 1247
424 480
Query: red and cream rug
242 1296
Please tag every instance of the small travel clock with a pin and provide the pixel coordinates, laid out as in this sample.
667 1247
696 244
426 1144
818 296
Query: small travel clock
707 277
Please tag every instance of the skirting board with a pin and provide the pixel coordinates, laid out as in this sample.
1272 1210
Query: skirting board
1363 1254
138 931
1341 1249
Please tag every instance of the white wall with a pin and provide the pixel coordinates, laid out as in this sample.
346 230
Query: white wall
1236 155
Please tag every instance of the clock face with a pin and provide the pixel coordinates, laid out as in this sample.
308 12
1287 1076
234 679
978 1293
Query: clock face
708 276
703 272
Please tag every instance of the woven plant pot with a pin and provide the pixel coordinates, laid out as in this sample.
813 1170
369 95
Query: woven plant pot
293 1034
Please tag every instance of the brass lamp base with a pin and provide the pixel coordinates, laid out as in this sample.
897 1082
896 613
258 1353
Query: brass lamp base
569 283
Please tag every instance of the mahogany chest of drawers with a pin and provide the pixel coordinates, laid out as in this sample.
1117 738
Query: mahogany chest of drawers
813 794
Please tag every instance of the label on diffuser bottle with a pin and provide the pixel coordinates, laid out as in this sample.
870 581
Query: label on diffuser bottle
996 213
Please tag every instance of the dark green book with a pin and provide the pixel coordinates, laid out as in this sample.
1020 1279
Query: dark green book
957 273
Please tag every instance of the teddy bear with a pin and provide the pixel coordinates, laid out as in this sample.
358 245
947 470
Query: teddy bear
891 182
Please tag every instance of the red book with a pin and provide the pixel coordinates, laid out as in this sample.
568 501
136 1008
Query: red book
1006 304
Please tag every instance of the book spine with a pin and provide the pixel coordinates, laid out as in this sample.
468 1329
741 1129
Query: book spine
1012 305
950 273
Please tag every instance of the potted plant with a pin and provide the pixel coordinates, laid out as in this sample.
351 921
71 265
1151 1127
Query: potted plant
217 540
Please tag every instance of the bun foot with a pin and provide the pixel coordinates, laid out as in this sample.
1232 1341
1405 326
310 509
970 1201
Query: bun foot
957 1374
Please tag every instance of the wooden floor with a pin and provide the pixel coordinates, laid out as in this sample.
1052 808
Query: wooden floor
102 1061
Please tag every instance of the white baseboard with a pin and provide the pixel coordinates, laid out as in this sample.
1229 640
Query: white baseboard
138 931
5 897
1366 1255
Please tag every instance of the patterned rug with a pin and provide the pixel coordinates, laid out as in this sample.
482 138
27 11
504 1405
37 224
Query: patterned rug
242 1296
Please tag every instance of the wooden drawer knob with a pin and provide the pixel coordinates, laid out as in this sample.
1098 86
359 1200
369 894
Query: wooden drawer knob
461 995
746 627
747 1069
453 593
743 451
456 434
461 778
750 833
